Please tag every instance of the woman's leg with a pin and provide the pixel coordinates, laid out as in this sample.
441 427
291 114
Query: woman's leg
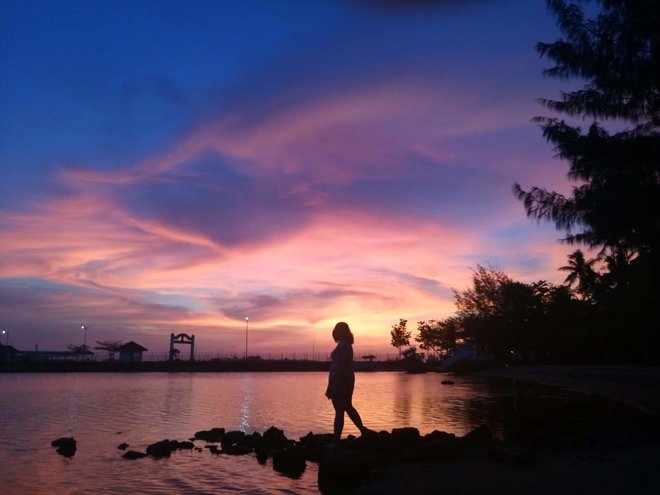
339 404
355 416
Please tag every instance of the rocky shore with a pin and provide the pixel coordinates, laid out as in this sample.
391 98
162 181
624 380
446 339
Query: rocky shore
547 460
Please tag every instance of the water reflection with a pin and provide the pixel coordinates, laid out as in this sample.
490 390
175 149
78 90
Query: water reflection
245 404
37 408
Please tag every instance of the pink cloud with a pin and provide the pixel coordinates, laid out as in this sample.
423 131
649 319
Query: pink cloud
294 247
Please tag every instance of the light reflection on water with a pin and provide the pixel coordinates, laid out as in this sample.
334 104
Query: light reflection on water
105 409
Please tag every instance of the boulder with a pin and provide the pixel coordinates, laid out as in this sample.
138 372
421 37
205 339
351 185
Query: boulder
212 435
122 446
312 445
232 437
439 445
66 446
160 449
274 438
404 439
213 449
481 436
185 445
290 461
262 453
339 465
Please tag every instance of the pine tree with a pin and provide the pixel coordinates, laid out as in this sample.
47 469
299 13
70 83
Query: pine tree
615 162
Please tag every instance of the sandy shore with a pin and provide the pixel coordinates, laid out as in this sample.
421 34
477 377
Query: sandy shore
619 459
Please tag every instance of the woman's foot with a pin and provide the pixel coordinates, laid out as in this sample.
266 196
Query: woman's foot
364 431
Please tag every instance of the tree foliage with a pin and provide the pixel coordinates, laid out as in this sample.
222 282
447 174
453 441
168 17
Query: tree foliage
581 273
111 346
616 202
400 336
439 335
614 206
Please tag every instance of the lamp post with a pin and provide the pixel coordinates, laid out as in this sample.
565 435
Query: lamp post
6 334
313 349
83 327
246 335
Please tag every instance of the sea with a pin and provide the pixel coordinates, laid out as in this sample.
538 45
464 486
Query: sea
103 410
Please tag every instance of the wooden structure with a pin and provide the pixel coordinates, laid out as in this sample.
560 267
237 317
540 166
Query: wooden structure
131 352
182 338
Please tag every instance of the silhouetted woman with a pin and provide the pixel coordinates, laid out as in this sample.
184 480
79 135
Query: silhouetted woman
342 380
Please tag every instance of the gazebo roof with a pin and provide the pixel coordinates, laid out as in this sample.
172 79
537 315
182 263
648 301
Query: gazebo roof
132 347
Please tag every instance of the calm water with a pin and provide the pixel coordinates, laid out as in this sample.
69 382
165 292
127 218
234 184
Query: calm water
103 410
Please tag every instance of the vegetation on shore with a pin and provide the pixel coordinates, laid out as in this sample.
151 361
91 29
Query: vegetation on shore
608 310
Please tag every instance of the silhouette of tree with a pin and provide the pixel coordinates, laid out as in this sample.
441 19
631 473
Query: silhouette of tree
439 336
400 336
581 274
111 346
615 162
618 54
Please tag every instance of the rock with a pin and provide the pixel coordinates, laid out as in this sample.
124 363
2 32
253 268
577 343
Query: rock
447 382
289 461
481 436
132 454
66 446
212 435
237 449
405 438
274 438
312 445
160 449
213 449
439 445
185 445
232 437
262 453
340 465
372 442
122 446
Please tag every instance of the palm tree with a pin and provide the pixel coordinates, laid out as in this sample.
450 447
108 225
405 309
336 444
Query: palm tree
618 262
581 274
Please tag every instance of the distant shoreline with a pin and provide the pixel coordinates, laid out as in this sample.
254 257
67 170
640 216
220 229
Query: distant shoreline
636 386
216 365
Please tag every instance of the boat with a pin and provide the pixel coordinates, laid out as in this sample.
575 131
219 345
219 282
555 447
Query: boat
464 357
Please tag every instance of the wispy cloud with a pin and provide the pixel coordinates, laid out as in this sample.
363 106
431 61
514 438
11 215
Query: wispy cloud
341 188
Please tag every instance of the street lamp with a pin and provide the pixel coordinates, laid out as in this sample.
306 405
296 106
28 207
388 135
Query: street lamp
313 346
246 335
6 333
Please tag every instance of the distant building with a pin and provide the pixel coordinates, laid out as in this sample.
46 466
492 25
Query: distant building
131 351
7 353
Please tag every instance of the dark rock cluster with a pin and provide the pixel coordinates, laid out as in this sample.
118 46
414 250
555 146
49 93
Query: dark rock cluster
352 459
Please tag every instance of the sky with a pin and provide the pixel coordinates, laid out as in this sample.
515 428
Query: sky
171 166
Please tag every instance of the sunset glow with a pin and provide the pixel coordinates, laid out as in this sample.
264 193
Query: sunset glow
302 164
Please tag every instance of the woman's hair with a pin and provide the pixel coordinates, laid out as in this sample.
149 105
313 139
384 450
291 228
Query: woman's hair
342 332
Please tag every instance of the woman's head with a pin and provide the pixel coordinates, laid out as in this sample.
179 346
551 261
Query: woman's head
342 332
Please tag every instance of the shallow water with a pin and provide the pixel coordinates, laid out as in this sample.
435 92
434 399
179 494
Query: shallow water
102 410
